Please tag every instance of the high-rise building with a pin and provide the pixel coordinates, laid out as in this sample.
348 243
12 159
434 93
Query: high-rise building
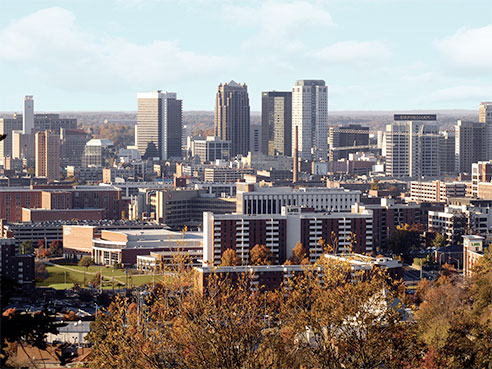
28 117
159 125
352 135
72 144
276 123
412 146
447 145
470 144
7 125
255 138
485 117
232 120
47 146
310 115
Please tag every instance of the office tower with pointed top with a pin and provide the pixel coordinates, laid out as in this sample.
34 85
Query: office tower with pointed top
159 125
310 114
232 121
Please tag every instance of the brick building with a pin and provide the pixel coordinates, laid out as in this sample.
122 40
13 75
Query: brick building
281 232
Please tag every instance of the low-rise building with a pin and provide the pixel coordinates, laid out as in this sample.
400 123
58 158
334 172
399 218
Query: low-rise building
473 251
123 247
269 277
435 191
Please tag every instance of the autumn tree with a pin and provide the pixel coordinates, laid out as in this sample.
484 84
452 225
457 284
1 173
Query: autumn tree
439 241
299 255
403 239
86 262
26 247
55 248
261 255
229 258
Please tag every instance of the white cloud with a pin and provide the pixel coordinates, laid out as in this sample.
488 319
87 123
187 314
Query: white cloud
358 53
64 55
460 94
279 24
469 48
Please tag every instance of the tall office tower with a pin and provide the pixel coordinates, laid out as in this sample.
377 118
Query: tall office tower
72 144
28 117
276 123
159 125
344 137
470 144
485 117
7 125
310 114
47 146
424 149
255 138
447 143
232 121
396 137
412 146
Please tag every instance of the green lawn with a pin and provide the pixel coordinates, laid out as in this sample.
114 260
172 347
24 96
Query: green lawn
56 277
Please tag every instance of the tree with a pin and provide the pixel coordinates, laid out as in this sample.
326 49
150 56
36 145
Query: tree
27 329
261 255
55 248
375 185
403 239
299 255
86 262
439 241
229 258
26 247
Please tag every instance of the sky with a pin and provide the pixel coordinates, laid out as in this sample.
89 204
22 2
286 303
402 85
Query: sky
95 55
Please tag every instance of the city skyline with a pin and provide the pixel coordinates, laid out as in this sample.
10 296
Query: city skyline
76 60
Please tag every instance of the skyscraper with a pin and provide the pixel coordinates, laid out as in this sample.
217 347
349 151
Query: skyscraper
310 114
447 143
276 123
47 145
28 117
7 125
470 139
232 116
413 146
485 117
159 125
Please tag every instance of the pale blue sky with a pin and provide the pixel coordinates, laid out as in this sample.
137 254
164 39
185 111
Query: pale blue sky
89 55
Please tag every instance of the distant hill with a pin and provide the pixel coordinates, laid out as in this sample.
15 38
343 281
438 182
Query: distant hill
202 121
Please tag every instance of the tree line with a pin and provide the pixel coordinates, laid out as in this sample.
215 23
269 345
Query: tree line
328 316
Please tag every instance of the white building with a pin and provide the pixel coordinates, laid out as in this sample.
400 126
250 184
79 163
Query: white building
28 116
252 199
436 191
210 149
310 116
159 125
413 147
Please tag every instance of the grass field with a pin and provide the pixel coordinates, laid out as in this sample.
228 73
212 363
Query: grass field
75 274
